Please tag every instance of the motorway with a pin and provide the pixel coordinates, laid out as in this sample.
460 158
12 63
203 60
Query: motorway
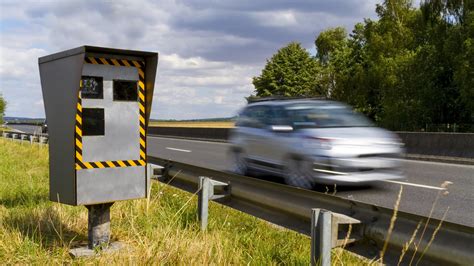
421 185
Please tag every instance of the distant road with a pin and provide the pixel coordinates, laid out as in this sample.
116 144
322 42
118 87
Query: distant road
420 187
32 129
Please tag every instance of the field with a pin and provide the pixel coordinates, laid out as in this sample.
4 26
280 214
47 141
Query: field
210 124
160 230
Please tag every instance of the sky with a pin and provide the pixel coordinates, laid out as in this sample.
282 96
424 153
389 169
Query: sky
209 50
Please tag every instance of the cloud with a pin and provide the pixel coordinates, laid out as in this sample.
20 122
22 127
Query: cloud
209 50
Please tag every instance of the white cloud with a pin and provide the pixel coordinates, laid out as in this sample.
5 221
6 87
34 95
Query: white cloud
283 18
209 51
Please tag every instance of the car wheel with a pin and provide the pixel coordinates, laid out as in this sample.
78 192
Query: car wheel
239 163
296 176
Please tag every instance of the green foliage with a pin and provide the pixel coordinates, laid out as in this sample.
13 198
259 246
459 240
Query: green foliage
330 41
3 106
412 69
290 72
409 69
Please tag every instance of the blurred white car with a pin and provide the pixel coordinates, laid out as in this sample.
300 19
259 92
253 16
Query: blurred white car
313 141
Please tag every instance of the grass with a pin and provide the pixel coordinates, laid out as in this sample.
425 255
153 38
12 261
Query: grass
206 124
163 230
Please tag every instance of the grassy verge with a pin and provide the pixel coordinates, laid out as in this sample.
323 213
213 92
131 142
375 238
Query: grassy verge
163 230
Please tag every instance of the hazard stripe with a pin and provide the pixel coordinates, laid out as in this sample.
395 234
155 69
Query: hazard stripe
78 119
99 164
80 164
141 74
79 144
78 156
93 60
142 108
109 164
126 63
104 61
88 165
141 84
115 62
136 63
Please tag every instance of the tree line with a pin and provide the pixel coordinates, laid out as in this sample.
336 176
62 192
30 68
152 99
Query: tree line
3 106
411 69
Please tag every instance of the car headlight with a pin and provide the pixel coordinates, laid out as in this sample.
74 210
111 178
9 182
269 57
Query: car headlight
318 143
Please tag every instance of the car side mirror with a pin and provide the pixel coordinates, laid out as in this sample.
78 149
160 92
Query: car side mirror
281 128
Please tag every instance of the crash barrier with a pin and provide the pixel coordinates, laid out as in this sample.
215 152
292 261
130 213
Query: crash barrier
443 243
440 144
420 143
29 137
212 134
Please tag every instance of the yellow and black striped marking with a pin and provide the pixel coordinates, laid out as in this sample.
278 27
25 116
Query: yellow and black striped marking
140 65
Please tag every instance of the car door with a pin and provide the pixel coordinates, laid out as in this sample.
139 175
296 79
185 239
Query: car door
250 128
274 142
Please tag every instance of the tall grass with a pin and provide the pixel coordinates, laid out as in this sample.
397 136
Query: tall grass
161 229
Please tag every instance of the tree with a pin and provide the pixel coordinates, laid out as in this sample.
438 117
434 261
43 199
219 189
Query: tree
3 106
330 41
290 72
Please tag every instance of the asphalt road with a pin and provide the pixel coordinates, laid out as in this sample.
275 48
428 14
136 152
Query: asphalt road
32 129
421 186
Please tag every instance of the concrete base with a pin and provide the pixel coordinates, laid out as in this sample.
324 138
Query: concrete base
85 251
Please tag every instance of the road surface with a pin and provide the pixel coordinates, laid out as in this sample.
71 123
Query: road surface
421 185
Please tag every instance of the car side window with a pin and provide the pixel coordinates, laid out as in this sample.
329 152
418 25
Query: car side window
255 116
279 116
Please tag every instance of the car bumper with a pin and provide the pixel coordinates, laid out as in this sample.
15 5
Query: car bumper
355 171
357 178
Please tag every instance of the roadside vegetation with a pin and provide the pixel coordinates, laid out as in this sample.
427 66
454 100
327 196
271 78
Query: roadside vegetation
162 229
3 106
408 70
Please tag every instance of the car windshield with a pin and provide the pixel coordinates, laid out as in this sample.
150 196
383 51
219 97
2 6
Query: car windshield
324 116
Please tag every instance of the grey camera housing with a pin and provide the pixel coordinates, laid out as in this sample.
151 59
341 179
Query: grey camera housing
97 102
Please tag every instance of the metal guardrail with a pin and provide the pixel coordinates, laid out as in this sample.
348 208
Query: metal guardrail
290 207
40 138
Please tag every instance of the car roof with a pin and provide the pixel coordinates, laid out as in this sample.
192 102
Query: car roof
296 101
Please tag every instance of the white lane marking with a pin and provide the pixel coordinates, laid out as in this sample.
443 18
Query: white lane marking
188 140
437 163
175 149
414 185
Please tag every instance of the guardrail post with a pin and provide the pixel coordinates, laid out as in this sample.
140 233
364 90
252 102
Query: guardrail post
154 171
43 140
33 138
206 193
321 239
203 203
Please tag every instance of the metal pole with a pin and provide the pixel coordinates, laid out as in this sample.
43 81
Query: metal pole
99 225
321 242
203 201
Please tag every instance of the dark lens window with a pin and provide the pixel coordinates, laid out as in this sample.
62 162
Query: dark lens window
125 90
92 87
93 122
